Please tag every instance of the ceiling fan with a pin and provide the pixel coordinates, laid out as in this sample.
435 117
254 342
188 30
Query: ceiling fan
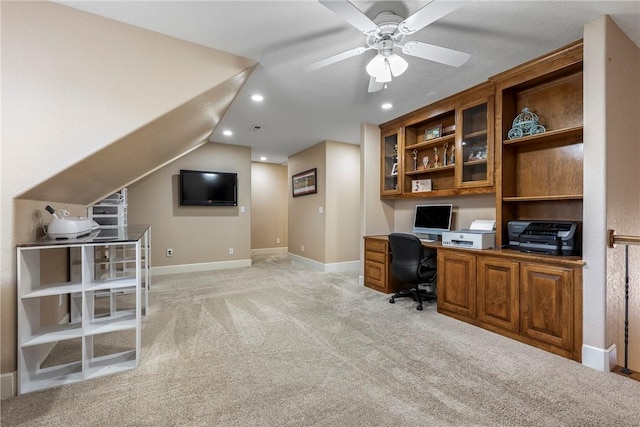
386 32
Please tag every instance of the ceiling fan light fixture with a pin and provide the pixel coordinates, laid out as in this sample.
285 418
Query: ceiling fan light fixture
385 76
376 66
397 64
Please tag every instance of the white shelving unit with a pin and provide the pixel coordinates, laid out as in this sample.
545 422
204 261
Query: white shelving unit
104 336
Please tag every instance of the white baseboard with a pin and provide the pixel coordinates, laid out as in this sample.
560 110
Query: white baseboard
7 385
204 266
270 251
336 267
599 358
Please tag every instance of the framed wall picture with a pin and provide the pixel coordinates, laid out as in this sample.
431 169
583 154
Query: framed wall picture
304 183
433 132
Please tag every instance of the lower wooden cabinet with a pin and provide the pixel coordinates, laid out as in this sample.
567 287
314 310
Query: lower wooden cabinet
498 293
534 299
377 262
455 271
547 304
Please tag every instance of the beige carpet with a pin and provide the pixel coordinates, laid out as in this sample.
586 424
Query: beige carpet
279 345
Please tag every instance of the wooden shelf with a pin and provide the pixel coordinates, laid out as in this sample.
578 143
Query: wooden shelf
567 133
430 170
475 134
542 198
431 143
475 162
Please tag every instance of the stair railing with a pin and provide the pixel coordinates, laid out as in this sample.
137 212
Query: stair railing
627 240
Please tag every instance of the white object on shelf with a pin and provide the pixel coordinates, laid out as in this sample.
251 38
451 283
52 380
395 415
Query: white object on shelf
91 322
112 211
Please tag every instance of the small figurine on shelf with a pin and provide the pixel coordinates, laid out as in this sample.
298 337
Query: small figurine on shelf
453 155
444 154
525 123
435 157
425 162
415 160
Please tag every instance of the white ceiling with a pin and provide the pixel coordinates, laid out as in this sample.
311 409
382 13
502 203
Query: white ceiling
303 108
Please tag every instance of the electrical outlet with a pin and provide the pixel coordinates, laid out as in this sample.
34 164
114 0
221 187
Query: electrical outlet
230 251
277 240
302 248
169 252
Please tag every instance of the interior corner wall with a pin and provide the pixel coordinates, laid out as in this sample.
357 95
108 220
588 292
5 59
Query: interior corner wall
612 188
595 196
198 235
342 208
269 211
306 225
622 187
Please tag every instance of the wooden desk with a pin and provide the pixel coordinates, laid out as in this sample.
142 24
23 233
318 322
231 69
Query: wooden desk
536 299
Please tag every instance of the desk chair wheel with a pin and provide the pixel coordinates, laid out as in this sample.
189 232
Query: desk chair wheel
392 301
419 307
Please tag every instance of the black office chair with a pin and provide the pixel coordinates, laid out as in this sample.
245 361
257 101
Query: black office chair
412 265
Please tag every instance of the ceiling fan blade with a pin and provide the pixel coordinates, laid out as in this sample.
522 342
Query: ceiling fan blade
352 15
444 55
336 58
427 15
374 85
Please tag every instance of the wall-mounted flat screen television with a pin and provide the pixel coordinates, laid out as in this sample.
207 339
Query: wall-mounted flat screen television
201 188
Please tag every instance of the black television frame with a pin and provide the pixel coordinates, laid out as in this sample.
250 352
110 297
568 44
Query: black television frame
231 179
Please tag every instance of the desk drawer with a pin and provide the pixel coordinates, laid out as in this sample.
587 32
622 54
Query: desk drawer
376 246
376 256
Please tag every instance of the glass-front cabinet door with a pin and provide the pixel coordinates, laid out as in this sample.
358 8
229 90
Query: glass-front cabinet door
475 145
391 162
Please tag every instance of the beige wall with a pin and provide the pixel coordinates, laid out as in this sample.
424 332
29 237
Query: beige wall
612 184
306 225
269 196
465 210
333 235
76 83
197 234
342 210
623 185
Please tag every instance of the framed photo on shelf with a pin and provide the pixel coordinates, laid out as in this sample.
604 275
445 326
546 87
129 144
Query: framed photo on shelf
304 183
394 169
433 132
420 185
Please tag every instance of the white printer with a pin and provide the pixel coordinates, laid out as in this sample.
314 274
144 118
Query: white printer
481 235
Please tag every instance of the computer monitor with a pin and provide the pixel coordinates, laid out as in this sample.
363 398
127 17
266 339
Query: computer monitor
432 220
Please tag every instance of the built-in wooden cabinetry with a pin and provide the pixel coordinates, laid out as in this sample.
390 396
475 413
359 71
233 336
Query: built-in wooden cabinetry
450 143
539 176
534 299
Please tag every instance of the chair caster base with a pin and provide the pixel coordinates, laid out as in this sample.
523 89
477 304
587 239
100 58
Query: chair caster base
419 307
392 301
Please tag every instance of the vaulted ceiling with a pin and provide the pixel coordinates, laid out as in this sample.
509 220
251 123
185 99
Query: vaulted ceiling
302 108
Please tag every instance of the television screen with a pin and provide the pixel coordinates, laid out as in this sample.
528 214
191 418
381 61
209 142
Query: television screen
200 188
432 219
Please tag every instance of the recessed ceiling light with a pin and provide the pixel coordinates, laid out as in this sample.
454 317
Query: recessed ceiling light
257 97
227 132
263 158
387 106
